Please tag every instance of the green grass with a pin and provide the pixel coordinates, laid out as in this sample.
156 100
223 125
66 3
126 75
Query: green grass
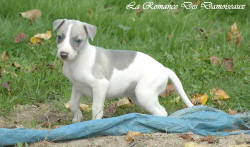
186 51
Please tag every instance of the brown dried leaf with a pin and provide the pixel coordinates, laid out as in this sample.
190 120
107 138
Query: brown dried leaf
51 66
132 135
234 34
228 64
16 65
6 85
215 60
110 110
231 112
186 137
20 37
4 57
123 102
209 139
31 14
219 94
170 89
139 11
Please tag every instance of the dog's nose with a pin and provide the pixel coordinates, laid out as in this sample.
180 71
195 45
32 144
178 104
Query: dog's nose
64 55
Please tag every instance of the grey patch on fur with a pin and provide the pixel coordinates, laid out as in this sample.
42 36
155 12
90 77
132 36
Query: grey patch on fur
107 60
60 41
78 33
130 91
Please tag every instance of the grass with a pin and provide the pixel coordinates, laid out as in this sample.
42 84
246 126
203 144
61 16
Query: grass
170 36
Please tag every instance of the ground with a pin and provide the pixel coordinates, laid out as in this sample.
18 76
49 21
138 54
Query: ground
43 116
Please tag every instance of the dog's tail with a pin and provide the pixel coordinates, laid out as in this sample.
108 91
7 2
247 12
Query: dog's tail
178 86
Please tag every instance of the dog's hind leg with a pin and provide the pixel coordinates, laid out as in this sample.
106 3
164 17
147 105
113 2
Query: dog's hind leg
147 98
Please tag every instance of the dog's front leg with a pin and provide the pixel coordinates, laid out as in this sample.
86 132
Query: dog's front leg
99 95
74 103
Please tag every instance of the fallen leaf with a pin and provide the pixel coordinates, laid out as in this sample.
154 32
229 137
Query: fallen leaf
176 100
219 103
16 65
90 12
45 36
215 60
123 102
240 145
193 144
199 99
209 139
6 85
139 11
228 64
169 37
186 137
20 37
67 105
132 135
35 40
110 110
231 112
51 66
198 2
234 34
85 107
4 57
170 89
219 94
31 14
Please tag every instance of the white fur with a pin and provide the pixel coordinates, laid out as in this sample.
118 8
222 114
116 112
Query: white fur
151 78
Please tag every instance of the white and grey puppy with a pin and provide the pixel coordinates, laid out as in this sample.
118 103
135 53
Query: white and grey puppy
102 74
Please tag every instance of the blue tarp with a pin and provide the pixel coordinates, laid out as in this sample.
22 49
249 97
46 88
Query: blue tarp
198 119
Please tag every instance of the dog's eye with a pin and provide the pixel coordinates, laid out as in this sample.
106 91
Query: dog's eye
78 41
59 37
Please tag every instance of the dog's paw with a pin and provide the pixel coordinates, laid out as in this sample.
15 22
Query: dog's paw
77 117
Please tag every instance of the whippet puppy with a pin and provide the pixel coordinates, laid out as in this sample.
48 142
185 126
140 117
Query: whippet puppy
103 73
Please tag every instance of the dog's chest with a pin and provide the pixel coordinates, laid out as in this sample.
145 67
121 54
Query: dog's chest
80 78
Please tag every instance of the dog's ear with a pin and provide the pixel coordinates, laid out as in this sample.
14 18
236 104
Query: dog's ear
90 30
58 23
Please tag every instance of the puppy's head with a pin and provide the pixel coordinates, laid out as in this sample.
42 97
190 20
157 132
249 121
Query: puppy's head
72 36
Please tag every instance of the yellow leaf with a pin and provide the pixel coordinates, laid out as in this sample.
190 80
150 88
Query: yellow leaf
203 99
193 144
4 57
35 40
240 145
131 135
67 105
219 94
83 107
45 36
234 34
200 99
31 14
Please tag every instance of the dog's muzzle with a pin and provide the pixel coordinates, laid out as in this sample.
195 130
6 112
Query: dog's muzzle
64 55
